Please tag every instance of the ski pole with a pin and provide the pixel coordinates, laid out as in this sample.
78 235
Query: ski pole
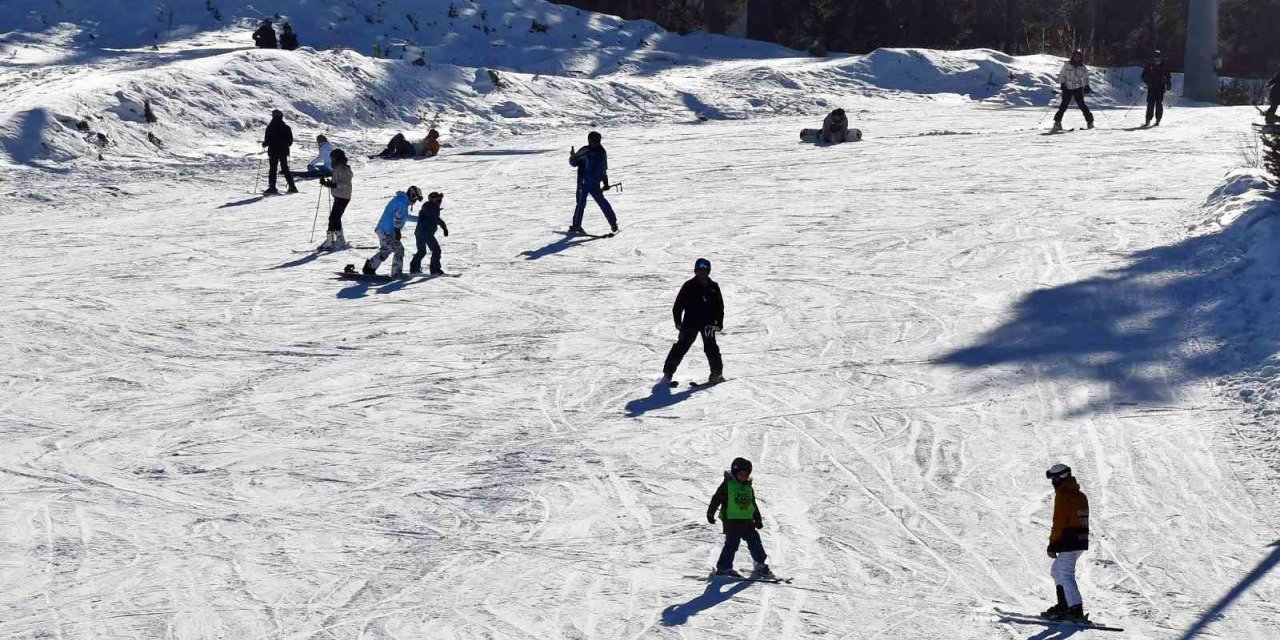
257 175
1046 112
1135 103
319 194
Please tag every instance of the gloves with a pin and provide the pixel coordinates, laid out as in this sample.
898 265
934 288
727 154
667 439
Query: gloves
1052 553
759 525
711 519
326 182
606 182
708 331
446 232
397 234
679 327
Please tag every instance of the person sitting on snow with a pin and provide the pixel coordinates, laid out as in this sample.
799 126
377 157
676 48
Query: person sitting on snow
835 127
398 147
431 144
322 165
288 39
265 36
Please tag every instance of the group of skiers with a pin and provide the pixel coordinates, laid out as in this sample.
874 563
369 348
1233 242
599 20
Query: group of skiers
265 37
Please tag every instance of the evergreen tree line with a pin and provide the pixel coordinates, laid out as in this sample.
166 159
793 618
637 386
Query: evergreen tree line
1112 32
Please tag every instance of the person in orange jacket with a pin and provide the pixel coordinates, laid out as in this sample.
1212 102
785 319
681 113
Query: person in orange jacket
1068 539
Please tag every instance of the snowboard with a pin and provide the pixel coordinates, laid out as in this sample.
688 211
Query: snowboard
813 136
1028 618
360 277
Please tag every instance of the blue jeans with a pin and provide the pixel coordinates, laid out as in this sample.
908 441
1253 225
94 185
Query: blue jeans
731 541
597 194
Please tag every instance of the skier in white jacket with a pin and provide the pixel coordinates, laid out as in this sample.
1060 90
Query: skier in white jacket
321 165
1074 81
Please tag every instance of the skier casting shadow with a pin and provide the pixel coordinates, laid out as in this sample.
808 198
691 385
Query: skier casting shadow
660 398
678 614
558 246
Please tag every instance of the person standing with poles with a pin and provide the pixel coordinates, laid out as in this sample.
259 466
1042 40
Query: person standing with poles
1074 82
592 162
699 310
1068 539
1158 80
425 234
340 186
278 139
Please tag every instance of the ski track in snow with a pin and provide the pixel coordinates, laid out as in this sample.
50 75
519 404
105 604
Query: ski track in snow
202 442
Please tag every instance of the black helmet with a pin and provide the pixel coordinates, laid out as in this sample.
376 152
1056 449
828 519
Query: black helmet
594 136
702 264
1058 472
276 113
740 464
414 193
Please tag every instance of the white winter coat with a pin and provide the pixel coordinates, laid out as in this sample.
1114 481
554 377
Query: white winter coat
322 158
1074 77
342 176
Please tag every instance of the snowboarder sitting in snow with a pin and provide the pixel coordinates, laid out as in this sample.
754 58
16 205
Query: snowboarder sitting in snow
425 233
1274 98
388 230
592 162
431 144
1068 539
835 127
265 36
277 140
1158 80
288 39
699 310
340 184
398 147
1074 81
735 499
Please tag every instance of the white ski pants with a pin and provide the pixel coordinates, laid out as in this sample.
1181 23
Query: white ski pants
1064 575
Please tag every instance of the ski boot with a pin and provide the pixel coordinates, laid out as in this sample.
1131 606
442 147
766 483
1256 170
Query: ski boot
1157 123
1075 615
1057 125
437 272
1146 124
762 570
271 191
339 242
1057 611
613 227
666 381
576 231
1088 125
327 245
716 378
368 269
291 190
728 573
413 271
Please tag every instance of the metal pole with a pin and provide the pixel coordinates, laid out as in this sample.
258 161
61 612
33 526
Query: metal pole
257 176
319 194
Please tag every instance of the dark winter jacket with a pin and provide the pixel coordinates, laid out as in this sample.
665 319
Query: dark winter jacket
1157 77
699 304
593 166
428 219
1070 518
265 37
278 139
718 500
398 147
288 40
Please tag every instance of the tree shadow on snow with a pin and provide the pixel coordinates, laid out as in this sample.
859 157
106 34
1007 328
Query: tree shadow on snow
661 397
1172 316
678 614
1220 607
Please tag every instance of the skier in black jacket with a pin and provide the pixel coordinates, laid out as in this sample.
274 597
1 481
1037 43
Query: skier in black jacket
288 39
1158 80
265 36
699 310
425 233
278 139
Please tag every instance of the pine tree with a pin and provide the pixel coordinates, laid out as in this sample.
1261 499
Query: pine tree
1271 156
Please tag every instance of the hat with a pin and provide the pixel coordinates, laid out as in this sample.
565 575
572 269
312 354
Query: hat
702 264
1058 472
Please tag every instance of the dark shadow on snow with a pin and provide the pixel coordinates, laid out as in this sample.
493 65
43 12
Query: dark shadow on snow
28 147
678 614
241 203
504 152
297 263
1055 631
661 397
1168 318
557 246
1220 607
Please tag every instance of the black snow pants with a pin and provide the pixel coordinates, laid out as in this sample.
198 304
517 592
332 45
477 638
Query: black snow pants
681 347
1067 97
279 163
335 214
1155 104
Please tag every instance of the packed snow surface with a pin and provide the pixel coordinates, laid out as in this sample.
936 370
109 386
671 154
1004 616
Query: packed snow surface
208 434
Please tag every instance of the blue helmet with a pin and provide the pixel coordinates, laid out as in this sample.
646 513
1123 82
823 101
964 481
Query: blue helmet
702 264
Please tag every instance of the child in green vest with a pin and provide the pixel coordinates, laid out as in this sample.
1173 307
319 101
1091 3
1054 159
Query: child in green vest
736 501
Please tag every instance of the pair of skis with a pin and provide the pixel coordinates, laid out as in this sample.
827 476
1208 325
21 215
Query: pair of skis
1031 618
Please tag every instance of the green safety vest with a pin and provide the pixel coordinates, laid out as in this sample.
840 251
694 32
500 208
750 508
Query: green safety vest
740 501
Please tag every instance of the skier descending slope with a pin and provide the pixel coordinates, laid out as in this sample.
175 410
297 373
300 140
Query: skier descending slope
699 310
1158 80
277 140
592 162
340 184
425 234
1074 81
1067 541
389 226
735 499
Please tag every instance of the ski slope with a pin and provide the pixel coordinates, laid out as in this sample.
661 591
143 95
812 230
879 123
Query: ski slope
209 436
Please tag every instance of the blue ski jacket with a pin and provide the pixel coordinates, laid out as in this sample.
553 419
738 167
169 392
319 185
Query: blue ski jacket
394 215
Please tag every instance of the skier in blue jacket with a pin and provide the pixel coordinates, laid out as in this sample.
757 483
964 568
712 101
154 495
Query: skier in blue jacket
388 229
592 162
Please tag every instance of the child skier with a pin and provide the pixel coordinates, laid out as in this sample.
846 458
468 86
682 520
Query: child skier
699 310
340 184
1068 539
389 226
592 162
735 498
425 233
1074 79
